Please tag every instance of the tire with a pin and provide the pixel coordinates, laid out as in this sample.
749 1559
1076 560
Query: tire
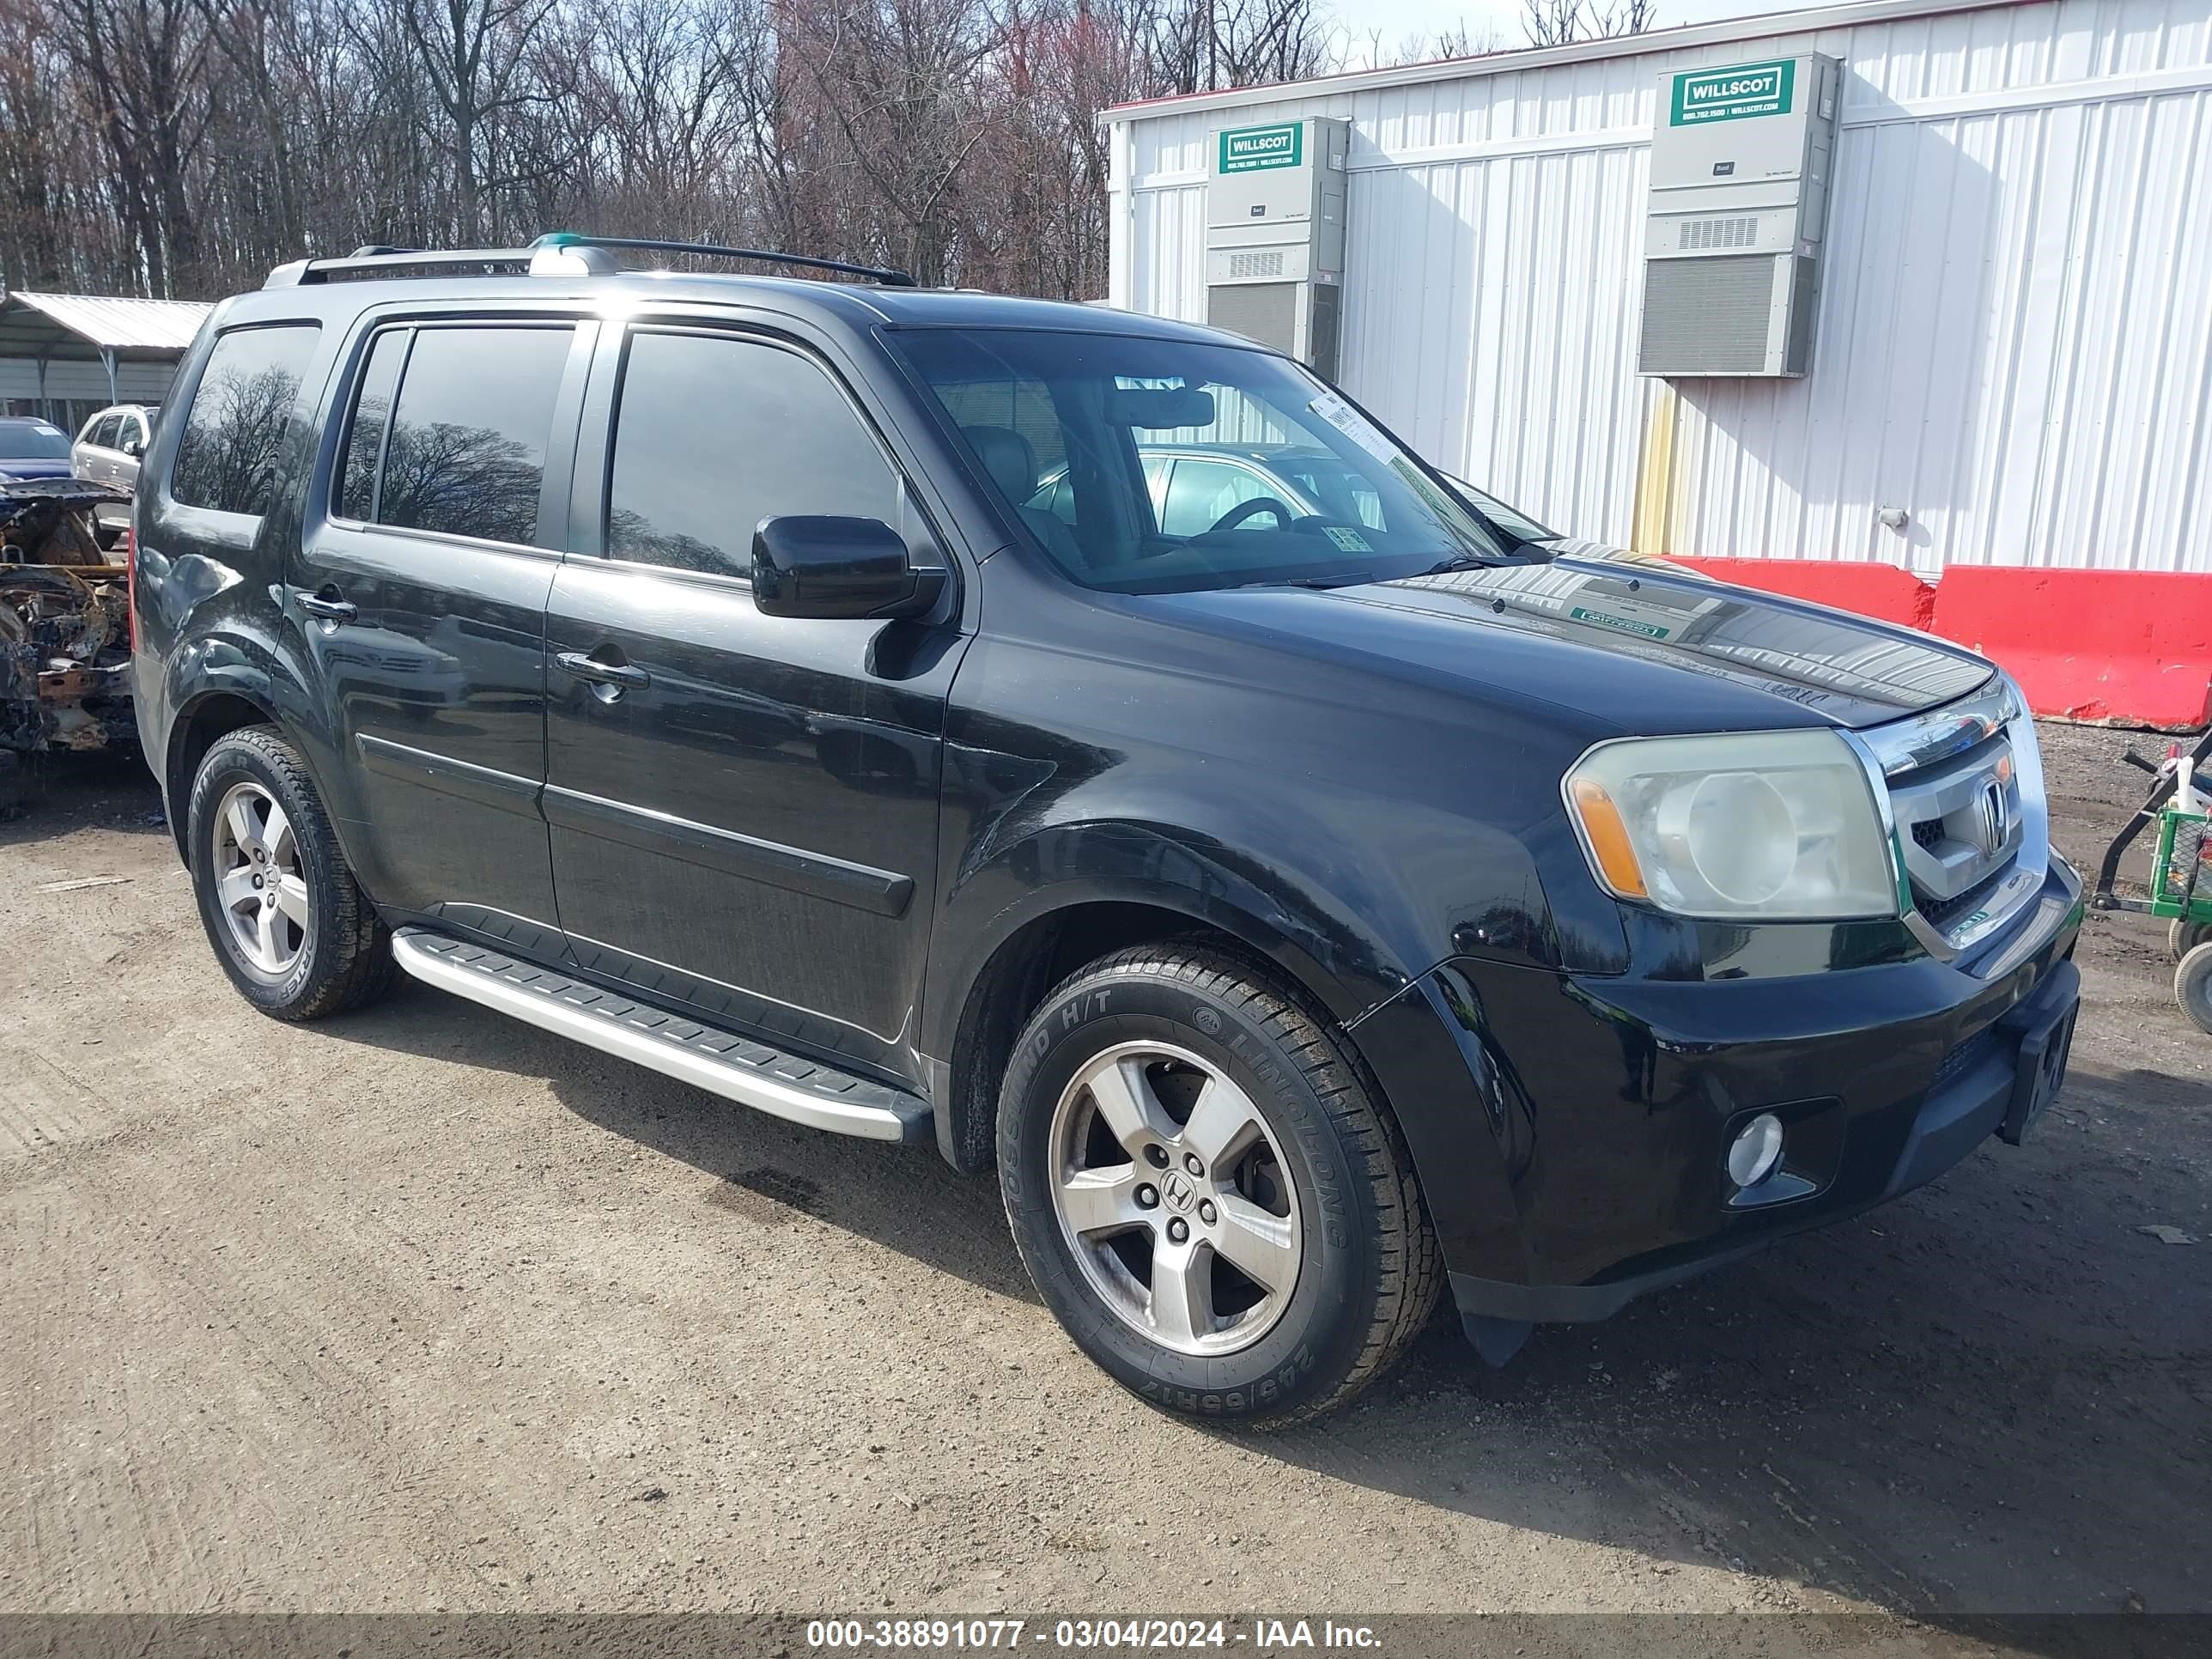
309 942
1199 1052
2192 986
2183 936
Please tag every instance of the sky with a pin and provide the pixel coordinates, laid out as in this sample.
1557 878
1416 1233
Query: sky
1399 19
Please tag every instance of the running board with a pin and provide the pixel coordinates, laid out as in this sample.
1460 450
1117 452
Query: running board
721 1062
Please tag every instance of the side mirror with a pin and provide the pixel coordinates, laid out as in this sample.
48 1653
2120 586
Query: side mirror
133 448
815 565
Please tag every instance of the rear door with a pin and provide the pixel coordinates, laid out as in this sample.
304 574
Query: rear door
746 819
420 591
95 454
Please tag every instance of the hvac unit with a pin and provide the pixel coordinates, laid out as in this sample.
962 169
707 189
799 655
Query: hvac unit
1740 160
1274 236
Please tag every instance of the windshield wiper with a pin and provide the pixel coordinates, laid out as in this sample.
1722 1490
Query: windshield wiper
1459 561
1351 580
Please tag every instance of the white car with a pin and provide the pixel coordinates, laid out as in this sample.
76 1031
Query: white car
107 450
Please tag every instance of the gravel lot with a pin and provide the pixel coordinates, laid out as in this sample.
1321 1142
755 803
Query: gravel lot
425 1309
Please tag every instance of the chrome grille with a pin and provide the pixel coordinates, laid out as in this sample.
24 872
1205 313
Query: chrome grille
1960 818
1964 788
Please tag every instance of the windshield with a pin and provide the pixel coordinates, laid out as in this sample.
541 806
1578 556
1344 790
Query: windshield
32 441
1510 520
1153 467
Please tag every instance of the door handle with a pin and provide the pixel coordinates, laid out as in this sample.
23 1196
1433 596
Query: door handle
327 605
591 668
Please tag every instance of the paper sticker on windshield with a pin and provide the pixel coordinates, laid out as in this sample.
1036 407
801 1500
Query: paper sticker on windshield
1354 425
1350 541
46 431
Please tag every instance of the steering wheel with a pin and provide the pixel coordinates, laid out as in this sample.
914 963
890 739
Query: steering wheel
1236 515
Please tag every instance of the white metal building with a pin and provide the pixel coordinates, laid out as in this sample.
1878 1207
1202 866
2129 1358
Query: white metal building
2013 344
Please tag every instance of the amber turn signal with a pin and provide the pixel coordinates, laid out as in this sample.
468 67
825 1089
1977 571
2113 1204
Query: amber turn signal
1608 839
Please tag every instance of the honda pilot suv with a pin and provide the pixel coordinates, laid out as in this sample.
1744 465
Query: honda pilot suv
1304 911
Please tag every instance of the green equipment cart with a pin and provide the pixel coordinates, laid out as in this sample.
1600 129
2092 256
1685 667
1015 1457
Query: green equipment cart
2181 873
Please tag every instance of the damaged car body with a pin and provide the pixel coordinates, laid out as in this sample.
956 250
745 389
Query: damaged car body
64 628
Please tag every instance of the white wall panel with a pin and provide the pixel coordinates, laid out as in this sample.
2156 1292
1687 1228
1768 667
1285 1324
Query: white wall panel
2015 334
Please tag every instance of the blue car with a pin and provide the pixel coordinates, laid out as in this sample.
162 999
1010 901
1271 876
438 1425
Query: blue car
32 448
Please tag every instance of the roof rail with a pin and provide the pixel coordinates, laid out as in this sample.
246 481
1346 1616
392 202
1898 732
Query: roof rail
375 260
557 253
570 238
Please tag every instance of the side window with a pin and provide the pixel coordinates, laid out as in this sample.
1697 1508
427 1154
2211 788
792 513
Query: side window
130 435
102 435
234 429
356 490
470 427
714 435
1199 492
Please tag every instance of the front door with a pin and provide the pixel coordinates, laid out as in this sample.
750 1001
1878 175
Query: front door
421 595
743 807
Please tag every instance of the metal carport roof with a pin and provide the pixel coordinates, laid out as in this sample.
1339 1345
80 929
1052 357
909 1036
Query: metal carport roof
45 324
38 329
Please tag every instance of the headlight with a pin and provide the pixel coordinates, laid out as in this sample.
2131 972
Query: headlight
1776 825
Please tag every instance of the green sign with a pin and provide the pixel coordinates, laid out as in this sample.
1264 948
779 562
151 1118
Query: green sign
1731 94
1250 149
1625 624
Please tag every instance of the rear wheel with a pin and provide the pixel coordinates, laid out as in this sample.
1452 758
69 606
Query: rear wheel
2192 986
2183 936
293 929
1207 1193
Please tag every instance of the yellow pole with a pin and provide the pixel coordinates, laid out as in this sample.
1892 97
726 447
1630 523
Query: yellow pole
1655 475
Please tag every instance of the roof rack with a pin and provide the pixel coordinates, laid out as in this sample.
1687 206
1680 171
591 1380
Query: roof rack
889 276
377 260
557 253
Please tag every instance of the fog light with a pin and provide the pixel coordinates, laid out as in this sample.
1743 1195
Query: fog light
1756 1150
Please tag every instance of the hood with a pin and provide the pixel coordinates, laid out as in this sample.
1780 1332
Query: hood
23 468
1639 645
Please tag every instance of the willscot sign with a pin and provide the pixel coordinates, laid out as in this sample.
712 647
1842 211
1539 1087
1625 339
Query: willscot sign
1250 149
1731 94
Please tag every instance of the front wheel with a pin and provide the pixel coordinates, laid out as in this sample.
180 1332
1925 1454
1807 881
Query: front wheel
2183 936
1206 1193
293 929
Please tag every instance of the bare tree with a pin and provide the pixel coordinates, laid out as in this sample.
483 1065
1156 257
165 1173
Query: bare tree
182 146
143 62
473 52
1562 22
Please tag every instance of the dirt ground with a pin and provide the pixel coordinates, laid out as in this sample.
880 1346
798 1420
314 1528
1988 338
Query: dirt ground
425 1309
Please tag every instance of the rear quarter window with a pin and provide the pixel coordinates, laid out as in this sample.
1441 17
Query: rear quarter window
234 433
461 447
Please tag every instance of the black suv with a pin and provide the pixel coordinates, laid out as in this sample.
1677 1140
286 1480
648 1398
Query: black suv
1301 911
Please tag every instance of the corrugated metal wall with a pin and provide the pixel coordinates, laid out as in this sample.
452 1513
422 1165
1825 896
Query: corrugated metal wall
134 382
2016 330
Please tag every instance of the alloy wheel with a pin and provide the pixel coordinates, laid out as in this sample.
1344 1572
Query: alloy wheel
1176 1198
260 886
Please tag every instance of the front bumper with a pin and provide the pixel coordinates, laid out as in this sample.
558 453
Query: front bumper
1575 1160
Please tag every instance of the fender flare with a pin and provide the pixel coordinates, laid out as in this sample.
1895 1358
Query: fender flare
1330 955
243 667
1459 1128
